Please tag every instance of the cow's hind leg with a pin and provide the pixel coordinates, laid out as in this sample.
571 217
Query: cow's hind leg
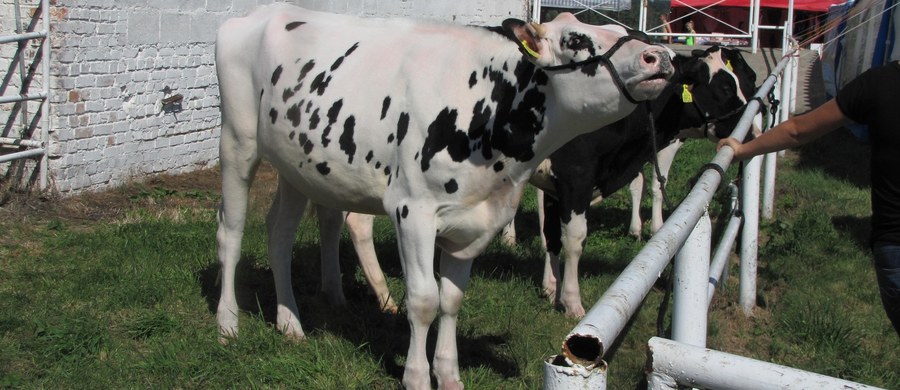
664 158
360 228
284 216
548 216
330 223
238 164
454 279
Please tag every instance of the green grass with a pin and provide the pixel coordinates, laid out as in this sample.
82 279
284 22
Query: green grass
130 302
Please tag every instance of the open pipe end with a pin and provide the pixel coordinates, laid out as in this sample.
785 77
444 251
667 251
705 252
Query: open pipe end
585 350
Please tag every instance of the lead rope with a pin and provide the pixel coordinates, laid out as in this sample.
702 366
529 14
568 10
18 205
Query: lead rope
667 276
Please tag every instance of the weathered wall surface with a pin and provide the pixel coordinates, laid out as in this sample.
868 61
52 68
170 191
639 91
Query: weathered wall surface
113 62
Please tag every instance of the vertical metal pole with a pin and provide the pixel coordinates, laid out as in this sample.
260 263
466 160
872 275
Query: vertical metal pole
749 236
642 16
689 304
536 11
44 173
754 26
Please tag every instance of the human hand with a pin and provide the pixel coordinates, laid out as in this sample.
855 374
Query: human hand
733 143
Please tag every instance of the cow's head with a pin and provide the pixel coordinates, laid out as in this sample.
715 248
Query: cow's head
584 56
716 93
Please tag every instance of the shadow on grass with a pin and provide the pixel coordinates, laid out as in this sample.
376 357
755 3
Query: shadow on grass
857 228
361 322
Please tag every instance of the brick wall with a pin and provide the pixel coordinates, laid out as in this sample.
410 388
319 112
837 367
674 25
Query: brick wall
113 62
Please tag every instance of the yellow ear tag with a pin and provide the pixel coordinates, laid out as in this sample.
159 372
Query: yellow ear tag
728 65
528 50
686 94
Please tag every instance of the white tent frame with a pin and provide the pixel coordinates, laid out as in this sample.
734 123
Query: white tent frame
752 32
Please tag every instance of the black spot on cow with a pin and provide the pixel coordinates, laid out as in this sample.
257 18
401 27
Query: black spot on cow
397 213
333 113
308 106
277 74
416 157
305 143
305 69
273 114
451 186
443 134
387 170
390 138
337 63
498 166
346 139
369 156
402 127
351 49
291 135
384 106
287 94
323 168
404 212
481 115
319 84
378 165
473 79
293 113
292 25
314 120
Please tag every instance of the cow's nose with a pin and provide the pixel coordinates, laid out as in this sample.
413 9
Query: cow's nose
656 59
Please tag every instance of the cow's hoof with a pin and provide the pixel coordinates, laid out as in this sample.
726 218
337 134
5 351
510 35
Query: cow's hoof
575 311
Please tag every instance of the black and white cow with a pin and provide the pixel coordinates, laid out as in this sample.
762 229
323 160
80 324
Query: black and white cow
594 165
713 131
438 126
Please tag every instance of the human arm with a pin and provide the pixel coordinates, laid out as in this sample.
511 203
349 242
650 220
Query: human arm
794 132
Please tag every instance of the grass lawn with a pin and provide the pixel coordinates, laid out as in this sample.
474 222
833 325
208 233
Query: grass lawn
118 290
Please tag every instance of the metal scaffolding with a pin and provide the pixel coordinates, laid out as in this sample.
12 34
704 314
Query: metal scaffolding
24 144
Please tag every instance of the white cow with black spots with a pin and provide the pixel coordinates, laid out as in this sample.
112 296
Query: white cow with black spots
437 126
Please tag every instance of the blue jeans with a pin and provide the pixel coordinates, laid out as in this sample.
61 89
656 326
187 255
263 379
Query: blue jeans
887 270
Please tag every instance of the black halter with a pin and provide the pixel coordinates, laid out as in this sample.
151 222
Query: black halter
603 59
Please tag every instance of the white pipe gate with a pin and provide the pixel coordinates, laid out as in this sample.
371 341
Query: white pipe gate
686 236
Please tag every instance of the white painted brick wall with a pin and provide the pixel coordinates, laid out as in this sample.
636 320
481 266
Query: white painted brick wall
113 61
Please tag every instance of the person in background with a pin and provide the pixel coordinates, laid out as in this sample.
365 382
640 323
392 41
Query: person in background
689 26
666 26
871 99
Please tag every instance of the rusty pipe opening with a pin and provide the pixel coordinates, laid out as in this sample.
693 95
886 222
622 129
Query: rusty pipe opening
582 349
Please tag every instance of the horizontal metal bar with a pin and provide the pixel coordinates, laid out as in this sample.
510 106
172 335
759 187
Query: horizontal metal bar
22 98
21 142
23 154
23 37
709 369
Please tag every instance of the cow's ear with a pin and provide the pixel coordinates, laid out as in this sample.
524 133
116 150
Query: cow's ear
527 35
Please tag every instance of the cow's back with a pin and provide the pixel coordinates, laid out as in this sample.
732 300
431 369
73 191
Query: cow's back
341 104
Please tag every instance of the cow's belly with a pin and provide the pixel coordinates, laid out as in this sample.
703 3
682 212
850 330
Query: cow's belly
330 181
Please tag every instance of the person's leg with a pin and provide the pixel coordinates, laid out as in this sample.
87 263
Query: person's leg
887 270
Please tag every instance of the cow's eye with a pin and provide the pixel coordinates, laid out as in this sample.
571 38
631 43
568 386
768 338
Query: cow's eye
579 42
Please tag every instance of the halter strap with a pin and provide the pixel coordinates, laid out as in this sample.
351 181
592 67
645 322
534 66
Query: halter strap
603 59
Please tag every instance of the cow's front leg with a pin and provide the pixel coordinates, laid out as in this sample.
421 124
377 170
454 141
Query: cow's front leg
281 222
330 223
454 279
360 227
415 226
548 217
664 158
573 235
636 189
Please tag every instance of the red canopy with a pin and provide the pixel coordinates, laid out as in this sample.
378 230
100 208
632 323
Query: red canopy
799 5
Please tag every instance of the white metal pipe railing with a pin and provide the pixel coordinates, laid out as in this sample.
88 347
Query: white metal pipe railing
23 154
23 37
691 270
672 363
749 234
22 98
44 173
723 253
587 343
30 143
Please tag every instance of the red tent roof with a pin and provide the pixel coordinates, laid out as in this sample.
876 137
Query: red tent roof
799 5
